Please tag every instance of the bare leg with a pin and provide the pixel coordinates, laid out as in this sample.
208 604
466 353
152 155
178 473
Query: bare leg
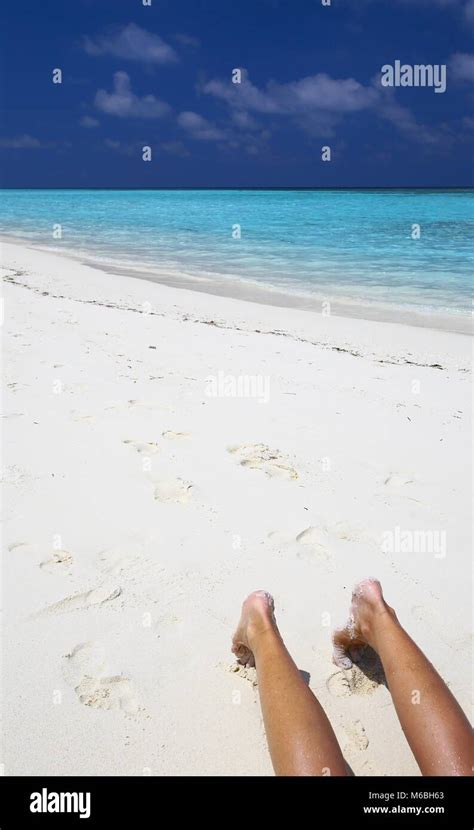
435 726
300 737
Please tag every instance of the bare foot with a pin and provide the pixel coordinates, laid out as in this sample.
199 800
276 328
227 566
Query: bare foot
368 610
257 617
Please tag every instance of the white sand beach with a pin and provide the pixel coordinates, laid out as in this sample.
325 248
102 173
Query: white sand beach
146 493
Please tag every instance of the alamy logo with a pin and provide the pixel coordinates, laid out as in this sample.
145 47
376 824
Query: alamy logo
406 74
238 386
415 541
45 802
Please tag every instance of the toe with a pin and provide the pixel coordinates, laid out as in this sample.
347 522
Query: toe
341 658
243 654
341 640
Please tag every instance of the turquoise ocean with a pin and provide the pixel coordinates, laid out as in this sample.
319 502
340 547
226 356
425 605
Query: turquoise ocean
352 246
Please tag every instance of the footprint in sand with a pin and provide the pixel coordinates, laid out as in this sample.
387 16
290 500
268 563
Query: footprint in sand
313 545
261 457
398 485
278 537
245 672
397 480
146 447
348 532
77 602
61 560
352 681
83 416
23 547
357 734
175 436
85 669
16 475
128 565
135 404
173 490
117 561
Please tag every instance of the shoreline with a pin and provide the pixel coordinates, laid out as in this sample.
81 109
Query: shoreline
375 340
264 295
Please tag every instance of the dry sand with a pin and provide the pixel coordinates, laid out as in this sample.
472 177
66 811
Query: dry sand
139 510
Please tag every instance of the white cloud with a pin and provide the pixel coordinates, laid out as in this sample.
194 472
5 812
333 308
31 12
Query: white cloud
303 97
462 66
125 104
88 122
243 119
200 128
21 142
187 40
132 43
404 121
318 104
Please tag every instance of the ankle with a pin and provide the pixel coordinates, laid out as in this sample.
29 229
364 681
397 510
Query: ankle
376 623
262 634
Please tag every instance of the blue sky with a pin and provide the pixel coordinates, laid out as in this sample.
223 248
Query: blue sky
161 76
